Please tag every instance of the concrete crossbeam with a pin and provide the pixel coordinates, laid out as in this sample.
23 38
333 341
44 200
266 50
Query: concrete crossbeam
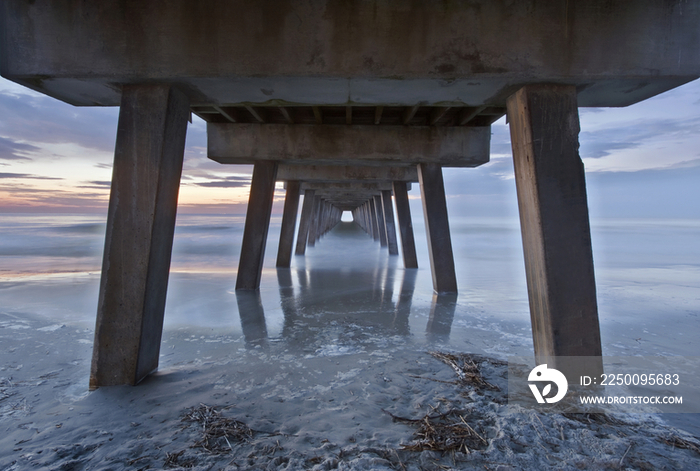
351 52
345 173
456 146
346 187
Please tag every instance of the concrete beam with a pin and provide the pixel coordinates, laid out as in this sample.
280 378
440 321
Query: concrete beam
257 222
437 228
343 173
347 187
140 225
551 187
351 52
456 146
289 222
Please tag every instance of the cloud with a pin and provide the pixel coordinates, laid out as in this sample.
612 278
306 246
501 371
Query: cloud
27 175
227 182
12 150
693 163
40 119
97 185
634 134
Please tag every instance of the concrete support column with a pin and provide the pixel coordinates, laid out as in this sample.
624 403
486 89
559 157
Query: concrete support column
381 223
289 222
315 218
389 222
551 187
403 214
305 222
368 219
437 228
140 225
257 223
373 218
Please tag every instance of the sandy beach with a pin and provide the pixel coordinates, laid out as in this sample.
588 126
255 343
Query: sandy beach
332 365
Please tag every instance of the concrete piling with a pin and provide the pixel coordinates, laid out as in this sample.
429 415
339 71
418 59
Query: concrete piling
305 222
403 214
553 207
437 228
289 222
388 211
257 222
140 226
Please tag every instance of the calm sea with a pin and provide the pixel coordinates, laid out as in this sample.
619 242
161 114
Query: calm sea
648 278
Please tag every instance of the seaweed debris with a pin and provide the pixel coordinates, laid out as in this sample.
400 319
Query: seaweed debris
217 432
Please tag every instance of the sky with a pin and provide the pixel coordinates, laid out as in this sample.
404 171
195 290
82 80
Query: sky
641 161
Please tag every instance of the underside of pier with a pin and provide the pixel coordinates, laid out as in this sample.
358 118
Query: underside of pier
348 103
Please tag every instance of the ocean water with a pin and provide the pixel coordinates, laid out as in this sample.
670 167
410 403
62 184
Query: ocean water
347 296
647 271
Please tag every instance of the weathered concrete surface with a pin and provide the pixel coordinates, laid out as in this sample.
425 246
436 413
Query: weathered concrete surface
551 189
342 173
305 222
403 214
374 223
289 222
313 224
457 146
140 226
437 228
388 210
348 186
358 52
257 223
381 220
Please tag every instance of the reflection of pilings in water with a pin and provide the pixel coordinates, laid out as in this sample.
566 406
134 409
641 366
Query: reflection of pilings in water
442 313
334 295
287 299
385 283
252 316
402 310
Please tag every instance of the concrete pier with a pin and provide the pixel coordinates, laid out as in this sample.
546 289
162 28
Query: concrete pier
313 227
550 181
305 222
289 222
306 91
381 220
437 228
257 222
374 222
140 225
388 211
403 214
